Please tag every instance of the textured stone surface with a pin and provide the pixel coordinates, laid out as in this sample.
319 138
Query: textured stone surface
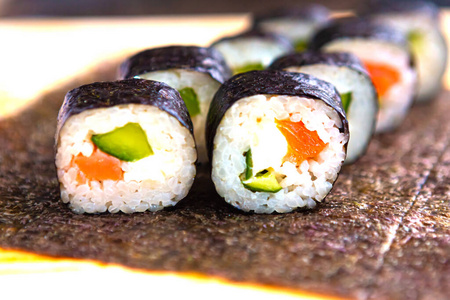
383 233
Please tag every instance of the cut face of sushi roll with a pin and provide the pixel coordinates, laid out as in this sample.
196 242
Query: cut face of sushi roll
195 72
252 50
385 55
124 146
419 21
277 140
298 24
358 94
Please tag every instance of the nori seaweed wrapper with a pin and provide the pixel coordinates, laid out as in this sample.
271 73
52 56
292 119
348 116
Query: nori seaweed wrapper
199 59
356 28
137 91
269 82
255 33
313 12
341 59
427 8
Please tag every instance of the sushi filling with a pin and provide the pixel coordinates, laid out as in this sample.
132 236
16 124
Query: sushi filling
277 153
127 143
125 158
302 144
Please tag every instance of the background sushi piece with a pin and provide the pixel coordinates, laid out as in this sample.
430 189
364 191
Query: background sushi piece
124 146
297 23
352 81
196 72
277 140
419 21
385 54
252 50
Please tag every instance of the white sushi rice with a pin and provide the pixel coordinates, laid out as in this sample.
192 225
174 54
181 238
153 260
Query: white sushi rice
204 86
361 114
431 53
395 104
151 183
250 123
244 51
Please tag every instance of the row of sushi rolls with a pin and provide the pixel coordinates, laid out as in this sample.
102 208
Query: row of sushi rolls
275 111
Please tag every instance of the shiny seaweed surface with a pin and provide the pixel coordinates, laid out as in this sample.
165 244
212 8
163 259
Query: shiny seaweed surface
198 59
383 232
136 91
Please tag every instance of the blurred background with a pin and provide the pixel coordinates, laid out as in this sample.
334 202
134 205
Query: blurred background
25 8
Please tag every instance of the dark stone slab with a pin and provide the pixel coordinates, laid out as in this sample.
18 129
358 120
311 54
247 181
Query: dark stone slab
383 232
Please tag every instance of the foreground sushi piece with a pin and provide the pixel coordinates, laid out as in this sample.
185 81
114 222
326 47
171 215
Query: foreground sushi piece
298 24
252 50
358 94
385 54
196 72
419 21
124 146
276 140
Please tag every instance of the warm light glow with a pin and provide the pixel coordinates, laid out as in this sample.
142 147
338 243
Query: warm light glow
39 54
445 26
28 274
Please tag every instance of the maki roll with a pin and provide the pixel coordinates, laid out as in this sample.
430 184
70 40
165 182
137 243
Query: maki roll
196 73
276 140
124 146
296 23
252 50
419 21
346 73
385 54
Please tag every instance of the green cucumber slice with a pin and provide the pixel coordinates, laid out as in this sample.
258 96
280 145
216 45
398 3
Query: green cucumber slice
300 45
346 101
249 67
264 181
127 143
249 165
191 100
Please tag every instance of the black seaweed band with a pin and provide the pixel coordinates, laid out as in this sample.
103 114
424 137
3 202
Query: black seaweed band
199 59
130 91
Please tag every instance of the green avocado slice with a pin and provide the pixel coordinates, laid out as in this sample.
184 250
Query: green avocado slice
346 101
127 143
249 67
264 181
191 100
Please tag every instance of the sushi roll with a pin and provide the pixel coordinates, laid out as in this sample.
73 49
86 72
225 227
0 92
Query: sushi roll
252 50
196 73
276 140
385 54
296 23
419 21
124 146
346 73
